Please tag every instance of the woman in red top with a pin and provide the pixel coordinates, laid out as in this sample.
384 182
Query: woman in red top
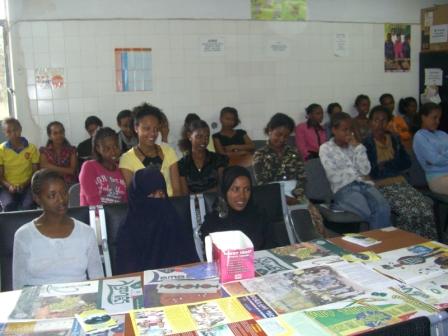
58 155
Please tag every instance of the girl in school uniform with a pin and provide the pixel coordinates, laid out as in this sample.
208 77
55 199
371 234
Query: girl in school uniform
54 248
19 159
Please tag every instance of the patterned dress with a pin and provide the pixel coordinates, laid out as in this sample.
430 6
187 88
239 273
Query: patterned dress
271 167
61 160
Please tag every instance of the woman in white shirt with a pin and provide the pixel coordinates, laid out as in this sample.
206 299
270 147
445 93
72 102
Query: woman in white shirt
54 248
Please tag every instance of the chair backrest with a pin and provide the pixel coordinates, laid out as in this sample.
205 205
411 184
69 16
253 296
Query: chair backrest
112 215
73 195
303 225
317 186
259 143
10 222
270 200
416 175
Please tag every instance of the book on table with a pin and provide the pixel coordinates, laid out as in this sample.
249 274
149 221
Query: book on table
360 239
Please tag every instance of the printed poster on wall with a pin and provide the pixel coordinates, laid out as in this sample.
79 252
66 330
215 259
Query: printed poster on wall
49 78
133 69
397 47
279 10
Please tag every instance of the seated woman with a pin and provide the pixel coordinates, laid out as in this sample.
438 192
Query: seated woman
347 167
331 108
278 161
189 119
388 159
58 155
310 134
431 148
404 124
199 170
235 210
101 181
19 159
54 248
153 235
229 141
149 154
360 123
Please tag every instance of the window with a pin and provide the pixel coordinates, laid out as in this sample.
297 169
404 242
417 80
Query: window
4 72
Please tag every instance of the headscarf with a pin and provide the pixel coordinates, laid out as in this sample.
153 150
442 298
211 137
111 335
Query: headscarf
224 218
152 235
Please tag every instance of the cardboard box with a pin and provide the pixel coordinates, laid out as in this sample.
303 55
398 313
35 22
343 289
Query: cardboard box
233 253
434 27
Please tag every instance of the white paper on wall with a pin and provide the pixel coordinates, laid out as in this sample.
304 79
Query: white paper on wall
340 45
277 48
439 34
433 76
212 46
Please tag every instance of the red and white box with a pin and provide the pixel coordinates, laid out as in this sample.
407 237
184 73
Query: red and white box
233 253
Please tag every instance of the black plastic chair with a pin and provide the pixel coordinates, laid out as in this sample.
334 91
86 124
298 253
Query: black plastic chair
303 225
112 215
10 222
73 195
318 190
269 200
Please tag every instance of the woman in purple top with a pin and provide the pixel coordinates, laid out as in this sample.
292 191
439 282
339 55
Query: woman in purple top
310 134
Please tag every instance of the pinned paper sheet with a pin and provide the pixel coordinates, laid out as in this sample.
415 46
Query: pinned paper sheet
434 76
340 45
439 34
212 46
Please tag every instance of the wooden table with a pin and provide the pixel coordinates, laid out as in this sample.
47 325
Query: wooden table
391 239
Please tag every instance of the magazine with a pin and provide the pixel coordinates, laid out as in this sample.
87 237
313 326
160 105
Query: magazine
119 330
360 239
95 320
199 316
295 256
367 312
59 327
433 291
299 289
65 300
181 285
241 328
414 263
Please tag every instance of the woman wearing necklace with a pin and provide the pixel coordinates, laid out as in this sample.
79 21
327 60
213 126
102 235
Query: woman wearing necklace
199 170
147 154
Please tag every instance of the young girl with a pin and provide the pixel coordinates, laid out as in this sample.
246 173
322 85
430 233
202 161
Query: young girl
19 159
54 248
389 159
278 161
360 124
404 124
229 141
149 154
347 166
431 148
58 155
388 101
310 134
101 181
199 170
331 108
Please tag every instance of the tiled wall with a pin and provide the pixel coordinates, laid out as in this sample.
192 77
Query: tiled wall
184 80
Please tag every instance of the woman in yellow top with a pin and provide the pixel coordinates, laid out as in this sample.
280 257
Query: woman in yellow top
404 124
147 153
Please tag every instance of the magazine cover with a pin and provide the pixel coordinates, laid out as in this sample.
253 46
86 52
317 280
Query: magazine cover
433 291
414 263
192 317
67 299
299 289
58 327
119 330
367 312
181 285
294 256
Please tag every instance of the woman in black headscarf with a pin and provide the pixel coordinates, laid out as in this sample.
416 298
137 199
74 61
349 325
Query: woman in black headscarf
152 235
234 210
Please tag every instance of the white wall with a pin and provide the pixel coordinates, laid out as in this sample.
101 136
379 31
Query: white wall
185 81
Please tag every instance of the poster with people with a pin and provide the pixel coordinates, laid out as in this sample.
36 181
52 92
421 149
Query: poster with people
397 47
